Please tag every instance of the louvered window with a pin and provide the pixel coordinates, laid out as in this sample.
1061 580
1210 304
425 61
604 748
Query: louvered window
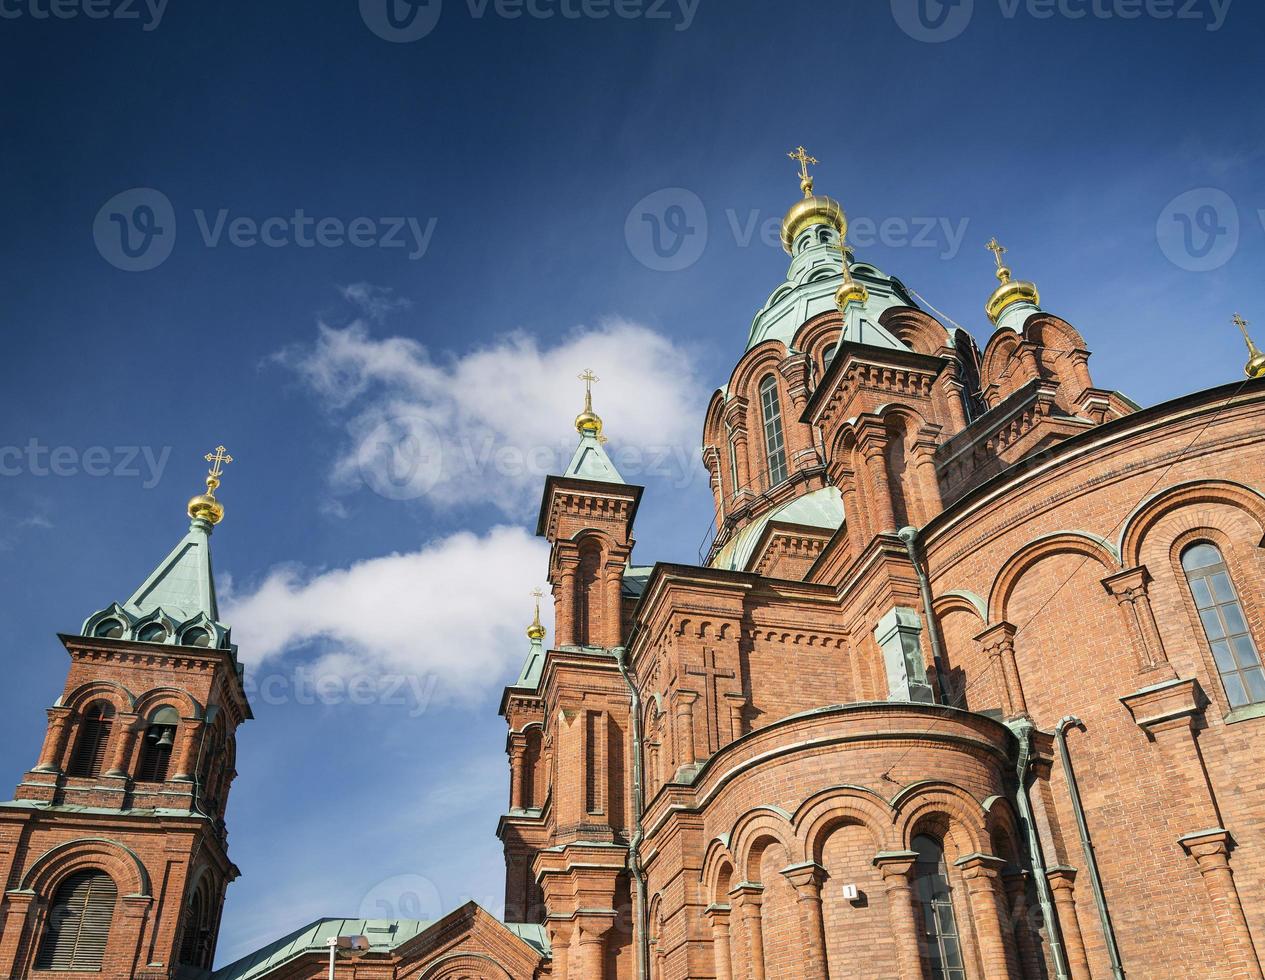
191 944
78 923
156 746
88 758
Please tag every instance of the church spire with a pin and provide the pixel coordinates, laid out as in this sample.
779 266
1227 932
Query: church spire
1013 301
176 603
590 461
1255 367
535 663
812 209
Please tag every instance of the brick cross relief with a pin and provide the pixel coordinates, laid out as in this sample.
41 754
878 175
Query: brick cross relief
711 675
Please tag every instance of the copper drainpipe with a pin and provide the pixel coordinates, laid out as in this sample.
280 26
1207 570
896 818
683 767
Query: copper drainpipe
910 536
1087 845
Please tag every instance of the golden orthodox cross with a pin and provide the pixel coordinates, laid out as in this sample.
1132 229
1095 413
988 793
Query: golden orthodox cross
218 460
1242 325
804 159
997 249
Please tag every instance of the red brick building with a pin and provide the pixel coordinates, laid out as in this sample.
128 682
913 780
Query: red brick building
966 687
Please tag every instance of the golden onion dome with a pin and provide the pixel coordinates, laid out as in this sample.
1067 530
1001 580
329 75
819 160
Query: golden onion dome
850 290
1256 365
814 209
204 507
1009 292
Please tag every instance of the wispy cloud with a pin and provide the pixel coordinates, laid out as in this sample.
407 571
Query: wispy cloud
487 426
375 302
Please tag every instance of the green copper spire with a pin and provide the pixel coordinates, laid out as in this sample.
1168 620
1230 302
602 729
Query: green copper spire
590 461
534 666
176 603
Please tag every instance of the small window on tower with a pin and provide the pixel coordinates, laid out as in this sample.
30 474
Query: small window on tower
78 923
156 746
110 629
153 633
94 735
196 636
774 442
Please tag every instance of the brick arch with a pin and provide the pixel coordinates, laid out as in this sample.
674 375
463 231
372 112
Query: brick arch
174 697
1058 543
714 421
816 333
1047 330
755 830
1149 513
952 811
960 600
465 966
998 353
718 871
1001 823
916 329
117 860
762 359
99 690
823 813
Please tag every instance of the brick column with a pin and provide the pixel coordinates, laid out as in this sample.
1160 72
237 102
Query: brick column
564 606
54 748
952 388
592 958
1129 589
1015 883
902 910
518 752
190 741
923 457
1210 849
1063 884
686 752
125 739
807 880
718 915
999 643
23 910
613 575
846 480
874 451
748 898
981 872
560 931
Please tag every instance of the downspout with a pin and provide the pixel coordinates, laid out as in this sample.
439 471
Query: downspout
910 536
1087 845
1023 728
634 847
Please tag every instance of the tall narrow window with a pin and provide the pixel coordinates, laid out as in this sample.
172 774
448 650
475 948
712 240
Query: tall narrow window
940 945
94 734
774 444
827 355
156 746
733 465
78 923
1224 624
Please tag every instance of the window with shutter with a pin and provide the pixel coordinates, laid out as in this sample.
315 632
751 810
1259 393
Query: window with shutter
88 759
78 923
156 746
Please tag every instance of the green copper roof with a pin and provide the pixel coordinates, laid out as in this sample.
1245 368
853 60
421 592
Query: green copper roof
533 667
635 579
181 585
384 935
178 596
590 461
822 508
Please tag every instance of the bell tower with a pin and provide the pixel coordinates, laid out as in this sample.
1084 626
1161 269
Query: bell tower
113 851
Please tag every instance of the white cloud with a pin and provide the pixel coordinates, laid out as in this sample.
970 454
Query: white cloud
487 426
447 620
374 301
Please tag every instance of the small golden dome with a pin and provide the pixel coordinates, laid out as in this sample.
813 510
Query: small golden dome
814 209
1011 292
1256 365
205 507
850 290
587 423
536 632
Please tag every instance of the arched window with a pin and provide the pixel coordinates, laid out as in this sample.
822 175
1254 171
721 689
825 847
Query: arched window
94 735
938 930
733 465
1224 624
78 923
774 444
827 355
160 736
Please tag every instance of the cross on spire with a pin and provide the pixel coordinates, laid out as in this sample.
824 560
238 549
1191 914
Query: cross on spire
998 250
218 460
805 178
1242 325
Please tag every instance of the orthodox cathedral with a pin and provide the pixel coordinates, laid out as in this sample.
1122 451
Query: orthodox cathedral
965 686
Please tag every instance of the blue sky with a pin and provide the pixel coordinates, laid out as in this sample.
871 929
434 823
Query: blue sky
373 266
